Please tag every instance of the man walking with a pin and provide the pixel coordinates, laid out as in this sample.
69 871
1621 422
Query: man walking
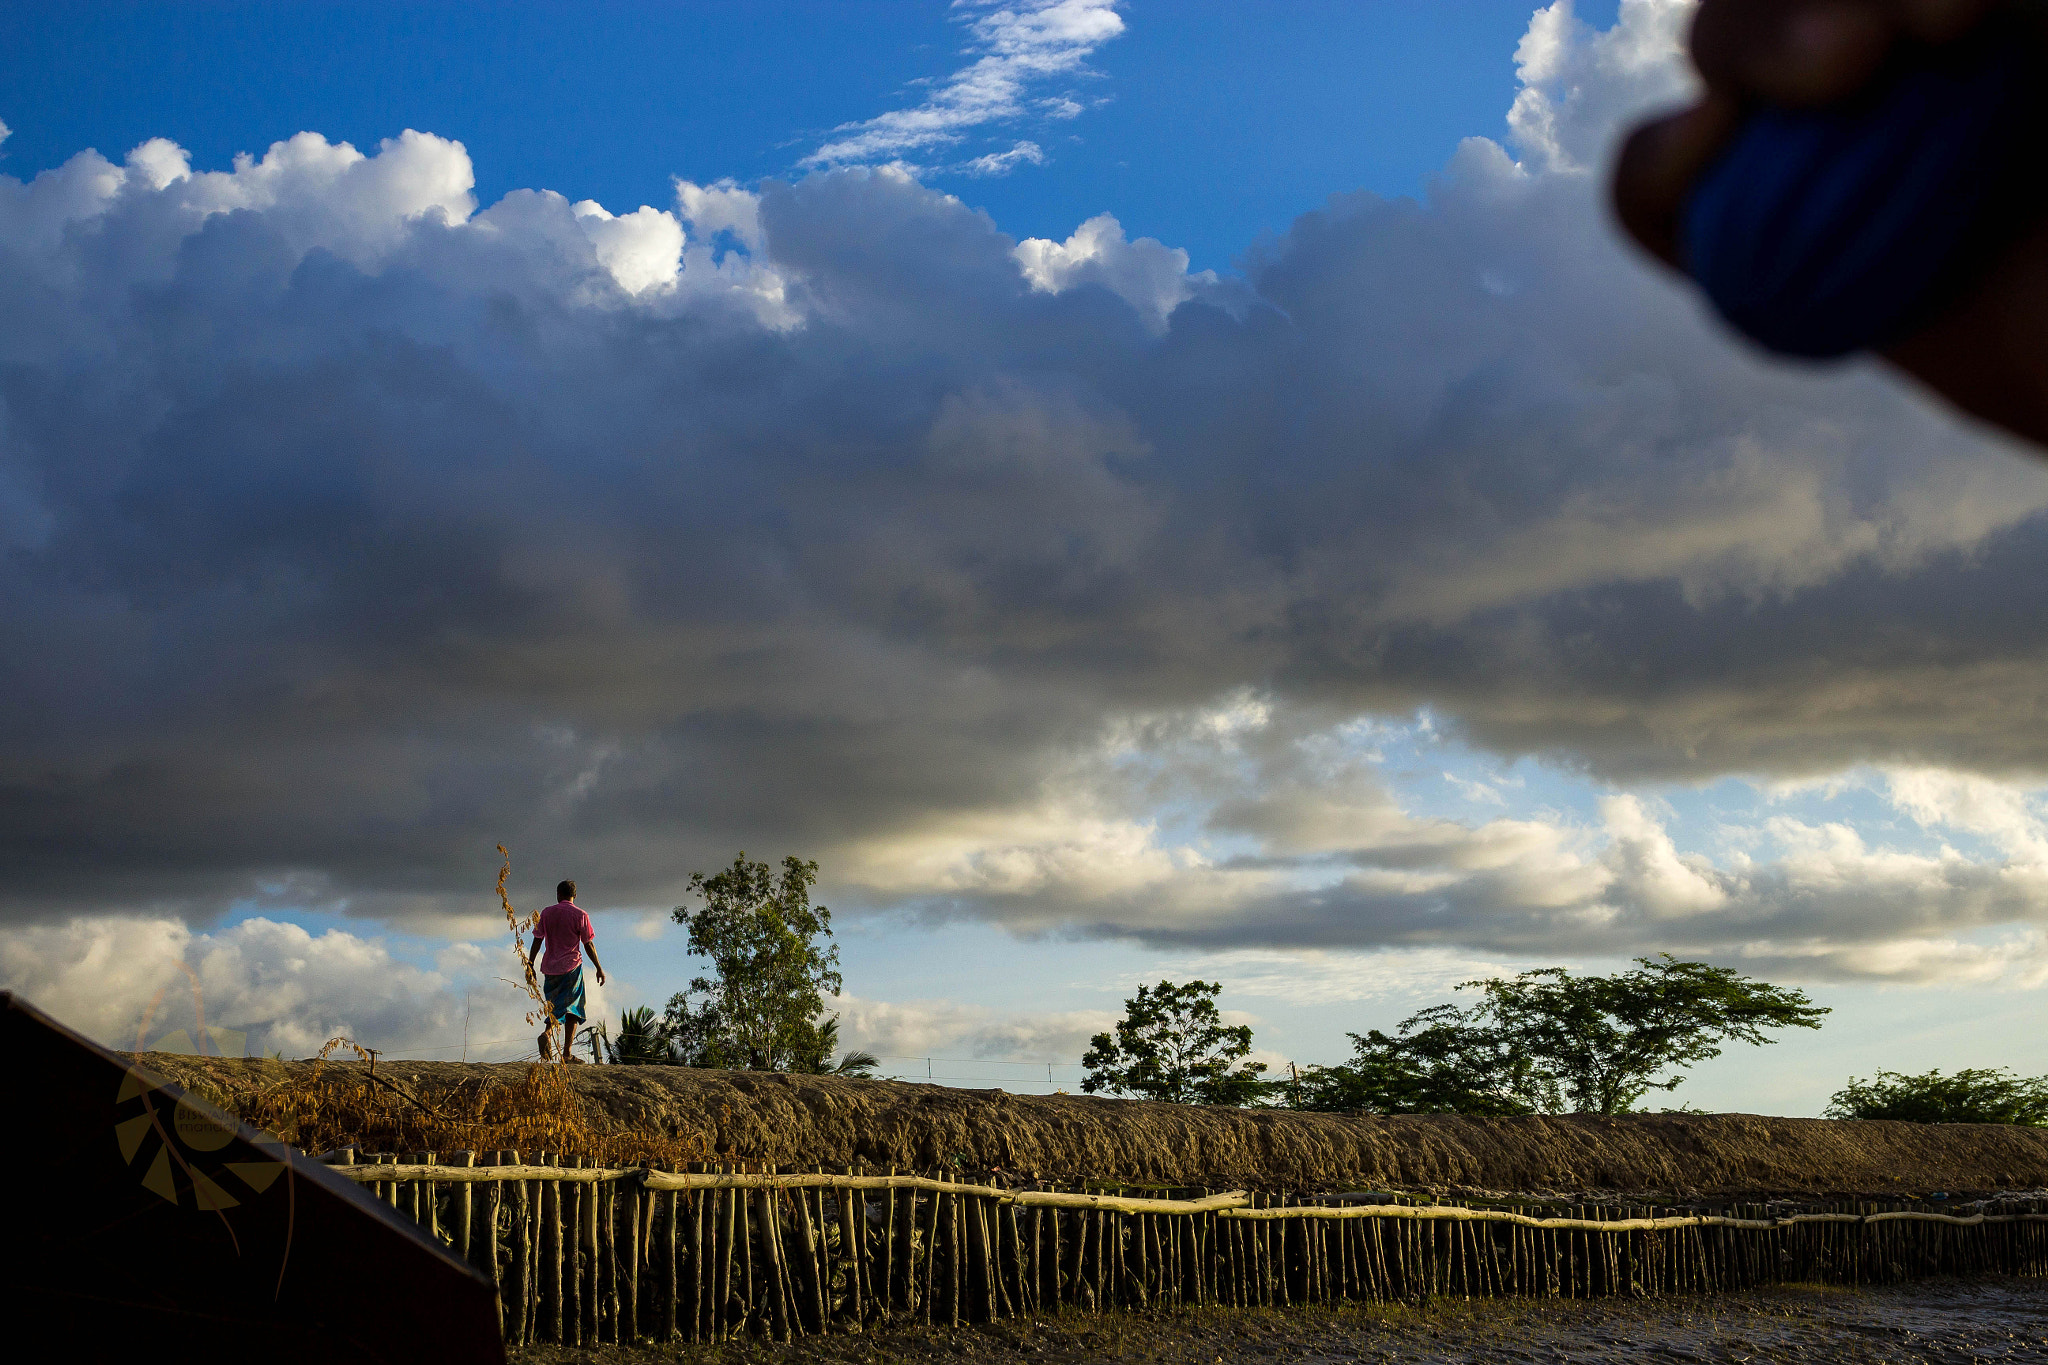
566 930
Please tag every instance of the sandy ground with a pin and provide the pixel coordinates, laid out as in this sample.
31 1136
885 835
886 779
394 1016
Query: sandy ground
1940 1320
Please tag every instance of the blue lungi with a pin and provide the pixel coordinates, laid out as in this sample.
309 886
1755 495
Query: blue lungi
565 993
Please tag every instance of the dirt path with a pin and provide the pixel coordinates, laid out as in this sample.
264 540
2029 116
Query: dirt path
1989 1320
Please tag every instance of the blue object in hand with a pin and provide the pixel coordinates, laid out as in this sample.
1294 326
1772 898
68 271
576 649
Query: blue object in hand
1822 232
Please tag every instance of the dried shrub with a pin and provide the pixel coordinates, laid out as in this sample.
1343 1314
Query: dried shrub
353 1106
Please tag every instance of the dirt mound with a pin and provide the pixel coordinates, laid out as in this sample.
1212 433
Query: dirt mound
824 1120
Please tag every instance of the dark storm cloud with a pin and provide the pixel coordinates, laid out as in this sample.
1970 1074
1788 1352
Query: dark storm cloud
348 532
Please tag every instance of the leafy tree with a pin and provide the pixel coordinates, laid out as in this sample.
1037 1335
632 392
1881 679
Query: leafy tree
1604 1040
759 1009
1173 1045
1969 1096
642 1040
1438 1061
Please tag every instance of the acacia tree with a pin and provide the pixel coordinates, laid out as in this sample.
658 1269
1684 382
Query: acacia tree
1604 1040
1437 1061
1972 1095
1547 1040
760 1008
1173 1045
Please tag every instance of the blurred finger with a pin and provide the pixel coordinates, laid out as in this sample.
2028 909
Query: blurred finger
1797 52
1658 165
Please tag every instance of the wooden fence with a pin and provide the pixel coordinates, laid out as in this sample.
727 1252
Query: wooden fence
586 1254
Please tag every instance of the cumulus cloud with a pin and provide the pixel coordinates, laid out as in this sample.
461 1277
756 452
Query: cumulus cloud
1293 859
261 987
348 528
1148 275
899 1031
1019 49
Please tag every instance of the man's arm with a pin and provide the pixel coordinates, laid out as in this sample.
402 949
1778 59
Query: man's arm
591 948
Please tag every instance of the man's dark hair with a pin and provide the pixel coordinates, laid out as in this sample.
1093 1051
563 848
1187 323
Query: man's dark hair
565 891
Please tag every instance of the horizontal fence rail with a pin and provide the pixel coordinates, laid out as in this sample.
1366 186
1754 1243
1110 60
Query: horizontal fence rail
584 1253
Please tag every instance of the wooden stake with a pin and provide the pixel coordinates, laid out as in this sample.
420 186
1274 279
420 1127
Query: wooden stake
776 1283
892 1295
461 1207
629 1328
816 1289
931 1259
512 1288
850 1254
561 1263
671 1280
728 1282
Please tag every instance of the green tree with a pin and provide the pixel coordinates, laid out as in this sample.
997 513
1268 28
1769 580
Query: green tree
642 1040
760 1008
856 1063
1970 1096
1604 1041
1173 1045
1437 1061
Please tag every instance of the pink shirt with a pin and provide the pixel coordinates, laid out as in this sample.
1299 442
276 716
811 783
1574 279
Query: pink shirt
565 928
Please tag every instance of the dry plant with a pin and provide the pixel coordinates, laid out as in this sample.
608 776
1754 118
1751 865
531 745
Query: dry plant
522 927
349 1106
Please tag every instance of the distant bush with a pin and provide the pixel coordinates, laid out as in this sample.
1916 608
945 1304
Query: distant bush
1969 1096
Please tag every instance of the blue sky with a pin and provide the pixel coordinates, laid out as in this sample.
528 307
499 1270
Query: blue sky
1429 591
1216 123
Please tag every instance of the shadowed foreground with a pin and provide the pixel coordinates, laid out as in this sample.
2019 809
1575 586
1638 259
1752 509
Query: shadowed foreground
1939 1320
832 1121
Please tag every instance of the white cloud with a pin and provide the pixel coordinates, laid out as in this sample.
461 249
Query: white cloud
1324 978
897 1030
1021 46
1291 837
288 991
1151 277
1024 153
1578 83
352 529
643 250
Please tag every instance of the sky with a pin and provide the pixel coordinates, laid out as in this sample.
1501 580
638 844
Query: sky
1134 491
